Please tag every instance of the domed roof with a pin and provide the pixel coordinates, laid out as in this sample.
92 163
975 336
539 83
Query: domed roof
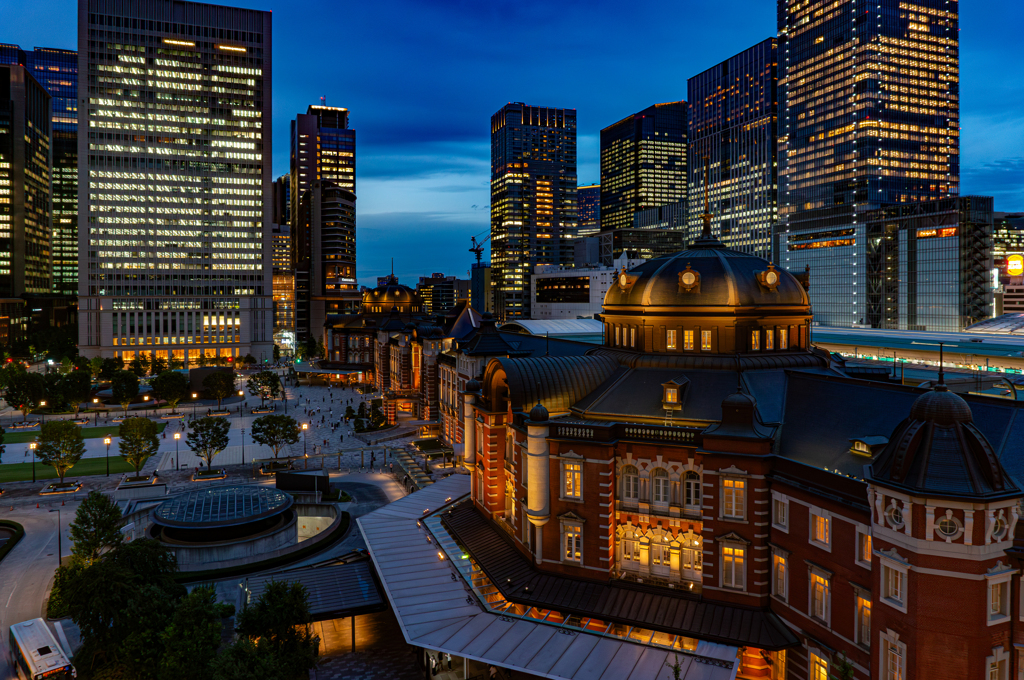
473 385
707 275
938 451
539 414
390 293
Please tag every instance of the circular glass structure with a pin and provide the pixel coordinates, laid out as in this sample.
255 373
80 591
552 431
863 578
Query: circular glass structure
221 513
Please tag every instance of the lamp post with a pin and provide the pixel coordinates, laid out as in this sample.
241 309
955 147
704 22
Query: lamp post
194 396
177 436
305 426
32 447
57 510
243 446
42 416
106 440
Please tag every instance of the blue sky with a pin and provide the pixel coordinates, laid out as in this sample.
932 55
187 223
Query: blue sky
421 81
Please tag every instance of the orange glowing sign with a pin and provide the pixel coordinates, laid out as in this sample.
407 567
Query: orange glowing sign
1015 265
940 233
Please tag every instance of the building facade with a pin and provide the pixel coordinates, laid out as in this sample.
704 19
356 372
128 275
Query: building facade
481 291
733 124
322 148
643 165
870 117
533 199
175 248
574 292
26 148
324 257
1007 239
441 293
588 210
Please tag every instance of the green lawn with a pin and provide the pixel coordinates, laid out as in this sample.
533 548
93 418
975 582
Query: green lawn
26 436
22 472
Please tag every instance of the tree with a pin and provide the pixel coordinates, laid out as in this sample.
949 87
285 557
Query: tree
207 437
11 370
55 396
175 363
25 391
61 446
191 639
279 621
265 385
96 529
138 441
277 354
844 669
66 366
350 413
320 350
139 366
3 447
157 365
110 367
96 366
275 431
76 386
170 386
249 360
220 385
125 387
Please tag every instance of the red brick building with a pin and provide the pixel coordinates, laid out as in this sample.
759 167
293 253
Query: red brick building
710 466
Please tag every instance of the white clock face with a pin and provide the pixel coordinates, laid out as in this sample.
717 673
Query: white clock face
623 280
771 278
689 278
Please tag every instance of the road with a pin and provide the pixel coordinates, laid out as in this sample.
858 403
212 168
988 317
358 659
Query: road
27 571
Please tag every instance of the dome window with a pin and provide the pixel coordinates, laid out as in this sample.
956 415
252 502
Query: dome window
948 527
689 280
769 278
895 516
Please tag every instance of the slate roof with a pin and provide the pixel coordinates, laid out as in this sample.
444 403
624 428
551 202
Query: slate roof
614 601
555 382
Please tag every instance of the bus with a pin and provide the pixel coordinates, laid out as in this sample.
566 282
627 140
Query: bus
35 654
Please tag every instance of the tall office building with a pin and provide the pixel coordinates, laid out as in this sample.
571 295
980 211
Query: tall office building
733 123
481 294
57 71
284 274
588 210
25 202
322 148
870 117
175 247
324 257
533 199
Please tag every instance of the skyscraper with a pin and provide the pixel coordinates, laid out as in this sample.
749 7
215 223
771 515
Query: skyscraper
57 71
25 160
588 210
870 117
533 199
322 147
733 123
175 249
284 273
643 165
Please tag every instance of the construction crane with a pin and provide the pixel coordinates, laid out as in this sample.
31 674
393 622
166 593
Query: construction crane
478 247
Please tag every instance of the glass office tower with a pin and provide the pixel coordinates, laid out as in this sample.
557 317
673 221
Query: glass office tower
870 101
533 199
175 246
323 147
733 123
588 210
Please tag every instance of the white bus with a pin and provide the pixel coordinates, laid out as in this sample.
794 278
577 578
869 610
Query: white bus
35 654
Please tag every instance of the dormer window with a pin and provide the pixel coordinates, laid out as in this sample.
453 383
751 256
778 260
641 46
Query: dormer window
672 395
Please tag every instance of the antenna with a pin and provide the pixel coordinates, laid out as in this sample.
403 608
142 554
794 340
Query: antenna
323 101
942 380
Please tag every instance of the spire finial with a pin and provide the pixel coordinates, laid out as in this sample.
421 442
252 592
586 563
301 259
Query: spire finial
739 374
942 380
707 208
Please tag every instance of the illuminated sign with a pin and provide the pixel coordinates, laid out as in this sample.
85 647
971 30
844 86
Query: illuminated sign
230 48
180 43
940 233
1015 265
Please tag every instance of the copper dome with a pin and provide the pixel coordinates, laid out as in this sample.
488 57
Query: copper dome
942 407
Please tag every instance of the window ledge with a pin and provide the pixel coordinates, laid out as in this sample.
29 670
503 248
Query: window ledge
571 500
895 604
996 620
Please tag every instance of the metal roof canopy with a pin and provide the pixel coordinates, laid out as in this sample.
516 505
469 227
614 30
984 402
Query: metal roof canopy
335 591
221 507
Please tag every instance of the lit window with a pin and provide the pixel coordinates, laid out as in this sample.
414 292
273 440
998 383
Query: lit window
691 491
733 498
780 565
895 660
616 336
863 621
819 596
733 573
821 530
631 551
769 339
819 668
783 338
672 395
572 474
864 549
687 340
573 542
755 340
632 337
670 339
705 341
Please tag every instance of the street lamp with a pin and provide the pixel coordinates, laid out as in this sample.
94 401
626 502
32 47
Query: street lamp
243 446
106 440
57 510
32 447
42 415
194 396
177 436
305 426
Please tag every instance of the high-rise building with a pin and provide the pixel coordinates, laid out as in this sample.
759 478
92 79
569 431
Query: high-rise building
533 199
175 247
25 201
481 295
57 71
324 257
733 123
643 165
588 210
282 190
441 293
322 148
284 273
869 94
1007 239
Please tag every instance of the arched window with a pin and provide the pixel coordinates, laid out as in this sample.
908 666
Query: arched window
630 484
691 491
659 486
630 551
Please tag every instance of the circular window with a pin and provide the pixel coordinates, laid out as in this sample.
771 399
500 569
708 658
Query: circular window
771 278
895 516
688 278
948 527
999 528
